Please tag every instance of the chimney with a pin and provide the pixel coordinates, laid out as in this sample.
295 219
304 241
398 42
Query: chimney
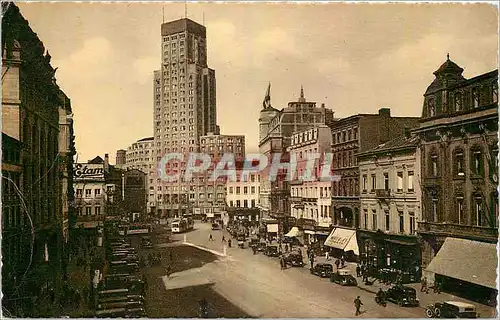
106 162
386 112
322 105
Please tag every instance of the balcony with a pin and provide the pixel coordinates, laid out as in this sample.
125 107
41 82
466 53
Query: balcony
382 193
456 230
296 182
314 200
296 199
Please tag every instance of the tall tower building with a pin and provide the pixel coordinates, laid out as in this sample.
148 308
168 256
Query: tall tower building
184 91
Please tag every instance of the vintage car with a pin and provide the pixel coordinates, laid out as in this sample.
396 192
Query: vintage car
215 226
344 278
451 309
403 296
323 270
294 259
272 251
261 247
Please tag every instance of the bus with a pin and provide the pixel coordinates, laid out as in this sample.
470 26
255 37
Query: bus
182 225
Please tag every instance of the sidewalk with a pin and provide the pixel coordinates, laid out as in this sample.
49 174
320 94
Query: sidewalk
424 298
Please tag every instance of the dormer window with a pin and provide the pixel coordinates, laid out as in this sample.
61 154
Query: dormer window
431 107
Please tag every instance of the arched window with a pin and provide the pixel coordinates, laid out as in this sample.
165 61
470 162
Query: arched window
458 162
458 102
494 93
494 163
475 97
431 107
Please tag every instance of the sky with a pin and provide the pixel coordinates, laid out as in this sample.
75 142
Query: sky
355 58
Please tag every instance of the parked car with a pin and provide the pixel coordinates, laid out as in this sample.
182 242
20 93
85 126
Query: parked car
344 278
272 251
261 246
294 259
403 296
451 309
323 270
215 226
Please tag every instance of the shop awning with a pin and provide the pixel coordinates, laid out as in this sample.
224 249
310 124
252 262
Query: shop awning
343 239
401 242
467 260
322 233
309 232
294 232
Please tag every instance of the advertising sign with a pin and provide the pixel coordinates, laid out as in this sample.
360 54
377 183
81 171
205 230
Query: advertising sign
89 171
272 228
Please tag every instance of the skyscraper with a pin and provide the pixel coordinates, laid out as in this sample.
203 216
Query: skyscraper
184 110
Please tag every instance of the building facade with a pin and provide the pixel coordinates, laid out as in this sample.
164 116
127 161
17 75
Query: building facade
242 194
185 107
135 193
459 149
34 207
121 158
350 136
140 156
276 128
390 206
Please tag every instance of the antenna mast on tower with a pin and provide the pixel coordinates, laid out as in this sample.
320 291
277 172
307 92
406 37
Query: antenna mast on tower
163 13
185 9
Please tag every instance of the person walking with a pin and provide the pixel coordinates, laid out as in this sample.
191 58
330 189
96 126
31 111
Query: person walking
423 284
210 238
358 271
327 257
358 304
337 263
169 271
223 239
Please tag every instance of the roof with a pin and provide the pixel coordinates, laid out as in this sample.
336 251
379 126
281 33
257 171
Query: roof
146 139
449 67
398 143
96 160
460 304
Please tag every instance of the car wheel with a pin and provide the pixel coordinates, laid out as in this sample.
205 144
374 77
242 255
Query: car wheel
400 303
429 313
437 312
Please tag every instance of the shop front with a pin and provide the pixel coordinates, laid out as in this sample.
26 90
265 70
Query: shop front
343 243
467 268
321 233
390 257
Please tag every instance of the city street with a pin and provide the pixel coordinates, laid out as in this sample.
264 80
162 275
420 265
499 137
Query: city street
255 284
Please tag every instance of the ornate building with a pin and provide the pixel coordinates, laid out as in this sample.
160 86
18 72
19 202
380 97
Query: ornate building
37 155
459 167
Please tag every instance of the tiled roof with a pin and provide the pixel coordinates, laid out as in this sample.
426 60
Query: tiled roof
400 142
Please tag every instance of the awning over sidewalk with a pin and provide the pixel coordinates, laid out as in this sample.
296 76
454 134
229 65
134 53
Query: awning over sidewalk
309 232
294 232
467 260
343 239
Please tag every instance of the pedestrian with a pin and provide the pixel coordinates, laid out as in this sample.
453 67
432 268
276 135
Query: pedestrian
210 238
358 304
358 271
229 243
327 255
169 270
312 261
223 239
282 263
423 284
171 257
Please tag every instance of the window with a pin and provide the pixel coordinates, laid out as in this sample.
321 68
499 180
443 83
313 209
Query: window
410 181
387 221
400 181
477 161
401 222
412 222
245 203
88 211
97 192
459 163
434 165
460 210
238 204
355 133
79 211
238 191
478 212
231 203
253 203
365 215
252 189
252 178
374 220
97 210
435 209
79 192
386 181
475 97
458 102
494 93
374 182
245 190
231 190
88 193
431 108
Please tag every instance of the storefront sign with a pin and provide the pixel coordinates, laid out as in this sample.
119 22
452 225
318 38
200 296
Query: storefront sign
272 228
339 238
87 171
